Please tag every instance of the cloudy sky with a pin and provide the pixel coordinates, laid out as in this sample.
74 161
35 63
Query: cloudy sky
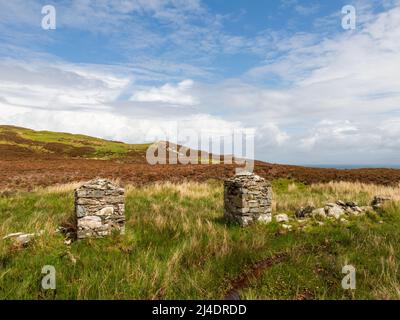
314 92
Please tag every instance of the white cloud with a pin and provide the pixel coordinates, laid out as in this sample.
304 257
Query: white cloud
84 99
317 96
333 134
167 93
270 135
110 125
59 85
351 141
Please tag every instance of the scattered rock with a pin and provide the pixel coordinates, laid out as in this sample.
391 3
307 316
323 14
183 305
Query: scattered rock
351 208
334 210
282 217
378 201
351 204
12 235
287 226
353 211
330 204
341 203
20 239
320 212
24 239
304 211
366 209
264 218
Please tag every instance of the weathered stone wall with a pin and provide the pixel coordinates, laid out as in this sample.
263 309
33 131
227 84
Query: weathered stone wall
99 208
247 198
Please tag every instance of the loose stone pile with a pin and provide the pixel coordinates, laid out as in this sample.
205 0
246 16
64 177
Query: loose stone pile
335 210
247 198
338 211
99 208
340 208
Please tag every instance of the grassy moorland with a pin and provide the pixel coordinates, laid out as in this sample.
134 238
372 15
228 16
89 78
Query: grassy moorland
177 246
30 159
49 143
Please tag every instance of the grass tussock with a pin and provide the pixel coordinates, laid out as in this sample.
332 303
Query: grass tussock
290 195
177 246
59 188
354 189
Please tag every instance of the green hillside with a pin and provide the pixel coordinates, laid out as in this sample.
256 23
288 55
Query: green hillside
31 142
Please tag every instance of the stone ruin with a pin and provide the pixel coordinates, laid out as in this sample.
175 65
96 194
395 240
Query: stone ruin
99 208
247 198
333 209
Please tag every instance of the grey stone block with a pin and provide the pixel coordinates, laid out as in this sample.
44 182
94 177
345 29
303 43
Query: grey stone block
99 208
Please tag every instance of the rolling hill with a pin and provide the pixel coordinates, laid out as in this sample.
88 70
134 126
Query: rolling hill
17 142
30 158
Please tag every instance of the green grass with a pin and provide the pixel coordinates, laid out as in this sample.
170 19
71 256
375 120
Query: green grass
102 148
177 246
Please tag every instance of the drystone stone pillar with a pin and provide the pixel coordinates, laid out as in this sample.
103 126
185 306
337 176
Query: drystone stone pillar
247 198
99 208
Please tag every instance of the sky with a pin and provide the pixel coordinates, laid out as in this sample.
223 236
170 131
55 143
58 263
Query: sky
312 91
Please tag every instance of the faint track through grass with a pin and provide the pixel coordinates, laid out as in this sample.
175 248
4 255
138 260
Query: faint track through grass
252 273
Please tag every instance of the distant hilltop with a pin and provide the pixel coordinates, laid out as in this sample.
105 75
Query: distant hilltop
23 142
30 158
18 142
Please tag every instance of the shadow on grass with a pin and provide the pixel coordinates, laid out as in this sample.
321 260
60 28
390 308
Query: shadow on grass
68 227
222 221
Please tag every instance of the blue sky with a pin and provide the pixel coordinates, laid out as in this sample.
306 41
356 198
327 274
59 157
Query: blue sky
312 91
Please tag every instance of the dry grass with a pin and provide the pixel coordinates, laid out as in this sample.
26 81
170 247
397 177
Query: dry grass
67 187
289 196
292 187
59 188
189 189
353 189
316 194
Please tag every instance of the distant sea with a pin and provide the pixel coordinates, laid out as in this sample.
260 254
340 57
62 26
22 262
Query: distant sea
352 166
